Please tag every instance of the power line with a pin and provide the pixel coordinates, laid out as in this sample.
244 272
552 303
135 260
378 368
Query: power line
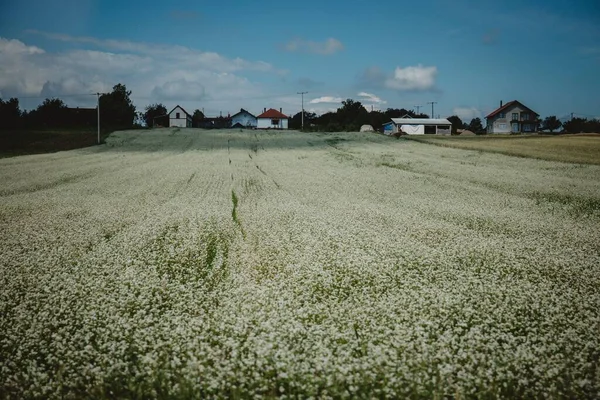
432 103
55 96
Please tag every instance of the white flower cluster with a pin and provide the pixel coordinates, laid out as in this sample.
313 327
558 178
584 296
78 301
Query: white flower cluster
226 264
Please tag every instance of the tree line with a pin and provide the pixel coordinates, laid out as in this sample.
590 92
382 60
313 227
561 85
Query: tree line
117 111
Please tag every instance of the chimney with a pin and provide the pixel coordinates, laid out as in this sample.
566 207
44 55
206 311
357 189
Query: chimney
280 110
265 110
500 103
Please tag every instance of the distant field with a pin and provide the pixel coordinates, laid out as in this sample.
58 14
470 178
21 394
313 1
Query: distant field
583 149
22 142
183 263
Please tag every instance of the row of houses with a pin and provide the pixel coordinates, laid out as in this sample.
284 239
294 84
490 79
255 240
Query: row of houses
512 117
269 119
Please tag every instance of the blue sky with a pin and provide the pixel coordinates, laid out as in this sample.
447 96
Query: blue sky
221 56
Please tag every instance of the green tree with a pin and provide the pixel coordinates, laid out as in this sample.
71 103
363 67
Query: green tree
10 114
116 108
582 125
52 113
552 123
456 123
155 114
351 115
296 120
476 126
197 117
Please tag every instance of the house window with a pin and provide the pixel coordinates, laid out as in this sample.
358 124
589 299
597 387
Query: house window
502 115
502 126
515 116
177 115
524 117
275 122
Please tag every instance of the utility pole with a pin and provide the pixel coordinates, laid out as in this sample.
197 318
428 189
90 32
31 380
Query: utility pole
302 93
432 103
418 107
98 107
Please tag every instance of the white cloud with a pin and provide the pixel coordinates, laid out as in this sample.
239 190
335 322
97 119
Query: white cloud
326 99
329 46
370 101
15 47
412 78
168 74
466 113
185 56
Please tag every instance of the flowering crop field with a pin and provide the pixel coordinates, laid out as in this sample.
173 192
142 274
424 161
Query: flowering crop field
189 263
573 148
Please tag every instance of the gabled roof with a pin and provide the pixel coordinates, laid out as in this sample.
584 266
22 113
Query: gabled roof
507 106
178 106
272 113
242 111
421 121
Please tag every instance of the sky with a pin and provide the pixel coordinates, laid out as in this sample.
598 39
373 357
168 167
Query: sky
464 56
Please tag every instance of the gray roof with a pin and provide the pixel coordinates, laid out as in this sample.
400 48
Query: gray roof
421 121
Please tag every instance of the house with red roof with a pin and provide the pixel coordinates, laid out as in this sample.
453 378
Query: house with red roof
272 119
512 117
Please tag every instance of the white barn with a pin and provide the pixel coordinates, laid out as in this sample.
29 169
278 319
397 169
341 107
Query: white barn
272 119
418 126
179 117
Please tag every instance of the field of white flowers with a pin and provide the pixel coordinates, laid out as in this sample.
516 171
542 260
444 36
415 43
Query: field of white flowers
189 263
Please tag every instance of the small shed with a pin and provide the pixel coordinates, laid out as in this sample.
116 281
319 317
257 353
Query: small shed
367 128
179 117
272 119
418 126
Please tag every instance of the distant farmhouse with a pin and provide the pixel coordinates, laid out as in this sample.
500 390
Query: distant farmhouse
179 117
512 117
418 126
272 119
243 119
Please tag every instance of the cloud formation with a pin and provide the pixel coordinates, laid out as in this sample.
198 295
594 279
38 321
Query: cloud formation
329 46
410 78
326 99
364 96
154 73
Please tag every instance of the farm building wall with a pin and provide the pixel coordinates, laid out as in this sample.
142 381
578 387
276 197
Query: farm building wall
413 129
506 122
243 119
266 123
184 121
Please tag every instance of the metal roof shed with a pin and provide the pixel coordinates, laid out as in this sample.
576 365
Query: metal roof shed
422 126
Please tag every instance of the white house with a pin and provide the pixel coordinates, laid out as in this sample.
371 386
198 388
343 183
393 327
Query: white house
179 117
512 117
418 126
272 119
243 119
